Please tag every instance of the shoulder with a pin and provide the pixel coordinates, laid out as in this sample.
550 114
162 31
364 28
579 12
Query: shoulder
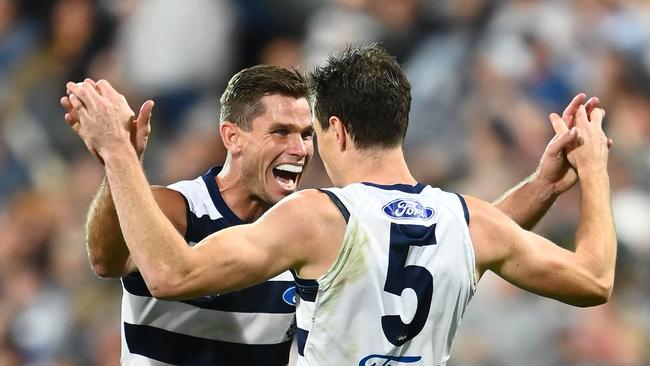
312 228
168 198
308 217
311 207
492 232
173 204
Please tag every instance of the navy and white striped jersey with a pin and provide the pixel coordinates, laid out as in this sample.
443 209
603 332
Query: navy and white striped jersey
400 284
253 326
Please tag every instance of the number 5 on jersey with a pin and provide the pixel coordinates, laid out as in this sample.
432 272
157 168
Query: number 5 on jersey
401 276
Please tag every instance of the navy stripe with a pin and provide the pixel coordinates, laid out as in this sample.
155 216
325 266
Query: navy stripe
417 188
305 288
181 349
301 339
337 202
465 210
266 297
210 181
203 226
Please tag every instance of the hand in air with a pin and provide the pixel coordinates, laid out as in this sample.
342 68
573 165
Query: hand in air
139 128
554 167
590 148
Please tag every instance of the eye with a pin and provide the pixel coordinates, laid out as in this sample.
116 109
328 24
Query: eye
308 136
281 132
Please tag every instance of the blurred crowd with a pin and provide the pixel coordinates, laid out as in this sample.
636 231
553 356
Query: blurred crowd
485 75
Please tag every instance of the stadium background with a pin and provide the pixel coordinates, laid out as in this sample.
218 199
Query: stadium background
485 75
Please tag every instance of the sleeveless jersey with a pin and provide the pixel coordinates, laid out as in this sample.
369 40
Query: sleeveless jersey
400 284
253 326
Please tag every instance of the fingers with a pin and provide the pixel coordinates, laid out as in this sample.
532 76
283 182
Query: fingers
78 110
572 108
85 92
144 116
581 117
75 102
65 103
596 116
591 104
72 122
106 89
559 124
557 145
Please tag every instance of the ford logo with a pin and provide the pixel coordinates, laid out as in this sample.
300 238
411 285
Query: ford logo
405 208
289 296
382 360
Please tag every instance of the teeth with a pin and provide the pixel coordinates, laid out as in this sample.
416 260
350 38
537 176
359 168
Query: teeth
290 168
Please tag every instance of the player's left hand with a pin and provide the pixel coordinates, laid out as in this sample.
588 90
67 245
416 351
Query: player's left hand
554 169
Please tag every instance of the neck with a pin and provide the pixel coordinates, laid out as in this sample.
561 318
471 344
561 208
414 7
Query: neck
380 166
236 194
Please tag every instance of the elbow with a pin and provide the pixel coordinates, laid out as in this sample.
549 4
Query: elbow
167 287
162 291
604 289
104 269
599 293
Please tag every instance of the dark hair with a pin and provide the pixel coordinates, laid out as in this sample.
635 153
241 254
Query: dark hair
241 102
368 91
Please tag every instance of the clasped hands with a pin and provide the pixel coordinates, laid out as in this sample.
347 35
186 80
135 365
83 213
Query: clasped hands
103 120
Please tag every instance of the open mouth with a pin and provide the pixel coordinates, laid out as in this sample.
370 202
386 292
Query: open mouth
287 175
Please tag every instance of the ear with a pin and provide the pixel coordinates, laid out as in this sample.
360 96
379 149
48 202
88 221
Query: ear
231 136
341 133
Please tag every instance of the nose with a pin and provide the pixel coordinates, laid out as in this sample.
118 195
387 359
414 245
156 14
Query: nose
297 146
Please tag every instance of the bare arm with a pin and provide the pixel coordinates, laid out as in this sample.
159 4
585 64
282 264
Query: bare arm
230 259
529 200
108 254
583 277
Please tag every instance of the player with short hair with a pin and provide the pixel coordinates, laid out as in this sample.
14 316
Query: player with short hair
265 125
384 265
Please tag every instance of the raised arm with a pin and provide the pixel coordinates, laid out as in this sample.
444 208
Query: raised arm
529 200
107 251
583 277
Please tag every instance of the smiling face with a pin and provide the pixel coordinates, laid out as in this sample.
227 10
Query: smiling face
277 148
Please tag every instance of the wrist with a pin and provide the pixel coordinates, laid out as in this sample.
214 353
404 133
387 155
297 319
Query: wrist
544 188
118 151
593 173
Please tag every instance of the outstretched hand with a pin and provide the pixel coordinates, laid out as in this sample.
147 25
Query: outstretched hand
139 128
554 167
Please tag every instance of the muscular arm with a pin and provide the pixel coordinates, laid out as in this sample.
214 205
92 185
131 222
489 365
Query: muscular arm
107 251
583 277
233 258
